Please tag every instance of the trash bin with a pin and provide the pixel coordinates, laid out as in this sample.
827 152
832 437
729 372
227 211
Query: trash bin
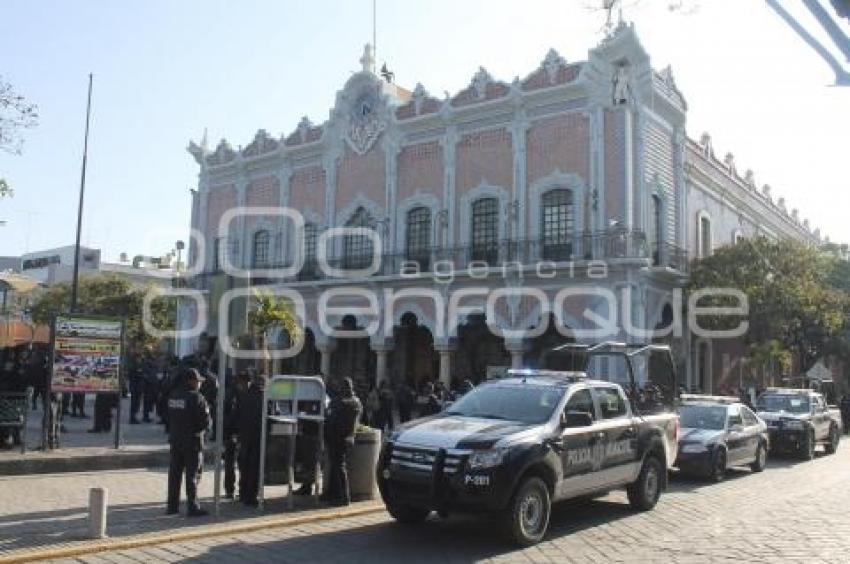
280 449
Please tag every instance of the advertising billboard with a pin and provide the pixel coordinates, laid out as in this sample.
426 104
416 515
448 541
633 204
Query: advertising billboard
86 354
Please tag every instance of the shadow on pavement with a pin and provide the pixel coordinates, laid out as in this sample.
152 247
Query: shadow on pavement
31 530
456 539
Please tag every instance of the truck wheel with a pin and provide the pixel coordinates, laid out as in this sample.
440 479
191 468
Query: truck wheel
717 472
832 443
807 449
527 516
407 514
644 492
761 459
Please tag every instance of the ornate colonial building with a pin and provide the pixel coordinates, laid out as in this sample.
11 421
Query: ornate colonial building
578 175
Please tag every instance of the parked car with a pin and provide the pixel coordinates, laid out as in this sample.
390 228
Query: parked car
718 433
798 420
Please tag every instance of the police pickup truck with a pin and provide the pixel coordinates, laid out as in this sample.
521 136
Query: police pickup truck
515 445
797 420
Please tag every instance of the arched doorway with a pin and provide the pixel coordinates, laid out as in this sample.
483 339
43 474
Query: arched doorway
477 350
413 358
354 358
307 362
540 353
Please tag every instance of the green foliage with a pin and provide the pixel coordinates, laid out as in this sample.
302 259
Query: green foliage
268 311
114 297
5 189
793 300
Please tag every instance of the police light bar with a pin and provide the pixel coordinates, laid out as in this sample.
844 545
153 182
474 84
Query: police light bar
536 373
709 399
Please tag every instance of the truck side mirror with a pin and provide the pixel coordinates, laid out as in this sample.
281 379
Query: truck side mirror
571 419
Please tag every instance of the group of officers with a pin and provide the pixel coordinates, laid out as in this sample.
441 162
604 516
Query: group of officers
189 419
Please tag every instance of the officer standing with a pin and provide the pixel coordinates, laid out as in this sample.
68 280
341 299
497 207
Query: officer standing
845 412
233 390
189 417
340 424
249 418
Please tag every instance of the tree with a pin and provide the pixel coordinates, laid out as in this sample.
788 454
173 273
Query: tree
268 312
110 296
791 298
15 114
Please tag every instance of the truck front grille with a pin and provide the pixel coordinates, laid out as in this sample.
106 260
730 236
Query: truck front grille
422 459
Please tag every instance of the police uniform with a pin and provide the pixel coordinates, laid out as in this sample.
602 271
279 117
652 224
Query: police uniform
249 421
341 422
189 417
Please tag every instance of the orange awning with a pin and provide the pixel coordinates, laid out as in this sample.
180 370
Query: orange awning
15 332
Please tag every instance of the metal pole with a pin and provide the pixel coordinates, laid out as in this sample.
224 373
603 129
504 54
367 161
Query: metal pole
75 282
219 428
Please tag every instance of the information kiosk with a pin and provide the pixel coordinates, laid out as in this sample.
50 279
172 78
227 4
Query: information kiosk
293 432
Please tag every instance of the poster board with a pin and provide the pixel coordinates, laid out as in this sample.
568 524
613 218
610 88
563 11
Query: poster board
87 353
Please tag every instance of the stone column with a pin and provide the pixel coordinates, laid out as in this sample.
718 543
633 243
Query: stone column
445 352
516 350
326 349
382 351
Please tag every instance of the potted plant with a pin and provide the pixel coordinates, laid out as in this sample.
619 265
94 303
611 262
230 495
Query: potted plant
267 312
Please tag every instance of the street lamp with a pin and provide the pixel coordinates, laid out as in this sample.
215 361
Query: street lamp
179 245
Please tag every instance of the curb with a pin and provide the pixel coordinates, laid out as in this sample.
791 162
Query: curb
204 531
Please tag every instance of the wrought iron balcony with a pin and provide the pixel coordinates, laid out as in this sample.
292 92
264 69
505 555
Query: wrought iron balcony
609 246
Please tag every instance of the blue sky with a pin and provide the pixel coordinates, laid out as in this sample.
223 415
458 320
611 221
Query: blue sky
166 70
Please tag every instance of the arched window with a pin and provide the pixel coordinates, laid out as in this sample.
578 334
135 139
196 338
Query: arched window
419 236
485 230
703 235
558 223
656 229
357 247
260 256
311 233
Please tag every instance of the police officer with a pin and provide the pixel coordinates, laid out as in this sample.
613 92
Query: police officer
249 419
189 417
234 388
340 424
845 412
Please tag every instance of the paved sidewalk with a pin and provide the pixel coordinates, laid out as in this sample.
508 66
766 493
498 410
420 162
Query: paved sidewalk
51 510
141 445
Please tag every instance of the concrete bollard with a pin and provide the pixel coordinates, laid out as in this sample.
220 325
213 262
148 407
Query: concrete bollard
97 512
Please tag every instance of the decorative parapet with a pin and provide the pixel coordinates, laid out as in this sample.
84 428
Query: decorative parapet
262 143
306 132
482 88
421 103
553 71
223 154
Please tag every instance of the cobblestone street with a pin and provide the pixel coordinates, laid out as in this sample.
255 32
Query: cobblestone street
793 512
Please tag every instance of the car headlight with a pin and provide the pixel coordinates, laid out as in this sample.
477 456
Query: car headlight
694 448
793 424
486 458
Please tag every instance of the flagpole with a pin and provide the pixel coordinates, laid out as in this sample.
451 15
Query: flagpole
75 282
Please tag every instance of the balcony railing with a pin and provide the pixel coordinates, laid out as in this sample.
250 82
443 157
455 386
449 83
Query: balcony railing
608 246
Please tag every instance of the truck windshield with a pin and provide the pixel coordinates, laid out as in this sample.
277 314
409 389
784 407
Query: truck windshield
779 402
527 404
712 417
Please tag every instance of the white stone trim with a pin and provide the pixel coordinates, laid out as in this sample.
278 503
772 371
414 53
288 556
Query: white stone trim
374 209
483 190
703 214
555 180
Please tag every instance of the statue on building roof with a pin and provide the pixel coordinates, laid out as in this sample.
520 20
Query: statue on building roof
622 88
367 61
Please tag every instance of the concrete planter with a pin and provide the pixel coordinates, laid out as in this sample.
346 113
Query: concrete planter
364 460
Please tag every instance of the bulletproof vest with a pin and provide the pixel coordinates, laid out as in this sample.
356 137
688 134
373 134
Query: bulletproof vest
188 418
